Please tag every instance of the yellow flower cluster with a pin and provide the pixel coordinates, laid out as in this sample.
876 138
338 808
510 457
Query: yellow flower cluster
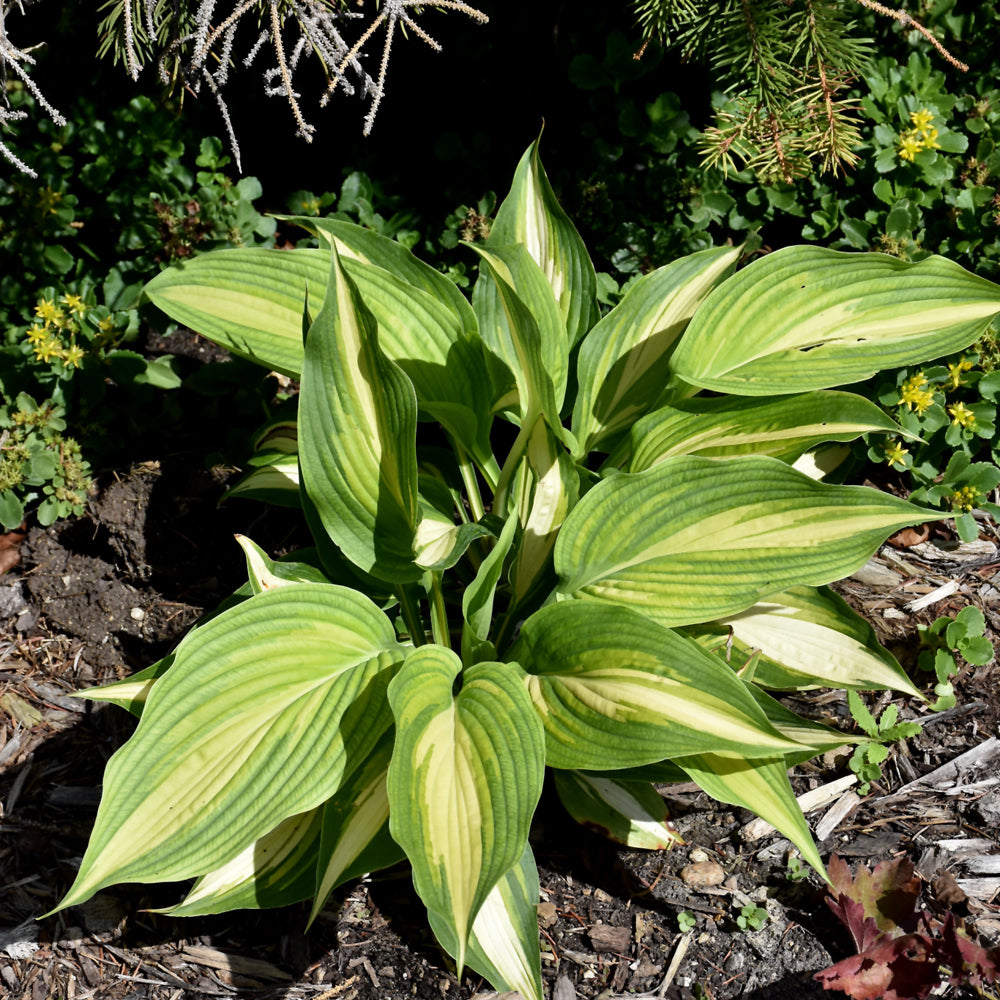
915 394
964 498
922 135
53 336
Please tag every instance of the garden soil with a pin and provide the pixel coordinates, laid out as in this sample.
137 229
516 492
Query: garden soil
96 598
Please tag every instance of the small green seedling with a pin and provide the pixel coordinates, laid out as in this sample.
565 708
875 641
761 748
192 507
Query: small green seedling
685 921
868 757
795 871
946 640
751 918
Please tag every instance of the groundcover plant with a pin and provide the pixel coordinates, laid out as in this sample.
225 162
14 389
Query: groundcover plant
544 538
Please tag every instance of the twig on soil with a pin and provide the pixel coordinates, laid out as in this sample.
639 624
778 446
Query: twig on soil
976 757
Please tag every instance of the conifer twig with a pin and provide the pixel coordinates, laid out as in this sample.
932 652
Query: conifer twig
907 21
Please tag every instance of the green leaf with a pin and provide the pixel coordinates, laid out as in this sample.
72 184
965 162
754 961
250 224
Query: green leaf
250 302
630 812
623 362
130 693
355 828
694 539
465 777
725 426
762 786
275 870
477 599
553 487
616 690
263 712
811 638
503 945
861 715
276 483
809 318
531 215
11 510
267 574
520 324
439 542
357 437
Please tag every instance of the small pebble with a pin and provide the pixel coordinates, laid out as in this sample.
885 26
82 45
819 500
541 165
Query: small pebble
137 614
702 874
698 855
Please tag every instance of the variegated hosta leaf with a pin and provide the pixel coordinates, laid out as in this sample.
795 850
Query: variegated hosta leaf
694 539
477 600
814 737
811 638
623 363
250 301
761 786
130 693
614 690
465 777
263 712
503 945
810 318
275 483
631 812
725 426
267 574
277 869
357 437
355 828
357 243
521 325
439 543
531 215
555 486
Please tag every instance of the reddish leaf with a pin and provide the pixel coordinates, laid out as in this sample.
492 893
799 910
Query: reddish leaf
851 914
888 894
901 968
968 960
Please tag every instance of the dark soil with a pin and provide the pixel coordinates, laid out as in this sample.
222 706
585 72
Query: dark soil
98 597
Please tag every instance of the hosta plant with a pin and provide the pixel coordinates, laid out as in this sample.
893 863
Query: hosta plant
543 538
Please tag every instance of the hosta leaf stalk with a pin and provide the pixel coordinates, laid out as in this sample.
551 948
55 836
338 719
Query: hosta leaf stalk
618 561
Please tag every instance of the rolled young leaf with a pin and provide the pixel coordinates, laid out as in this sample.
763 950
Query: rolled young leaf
264 711
531 215
614 689
465 777
357 437
809 318
694 539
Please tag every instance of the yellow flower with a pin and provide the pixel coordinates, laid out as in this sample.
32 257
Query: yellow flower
72 357
962 415
909 145
921 119
955 373
964 498
74 303
896 454
930 139
36 334
106 325
914 395
48 311
48 349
